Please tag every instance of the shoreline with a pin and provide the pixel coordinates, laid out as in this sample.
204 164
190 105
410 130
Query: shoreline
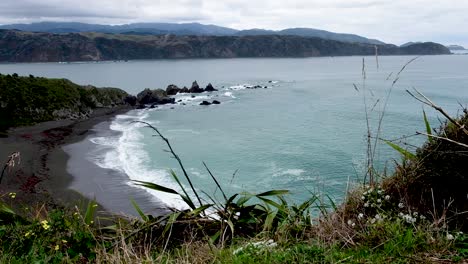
41 176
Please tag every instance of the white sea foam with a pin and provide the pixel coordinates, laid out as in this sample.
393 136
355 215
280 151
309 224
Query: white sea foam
126 154
229 94
239 87
291 172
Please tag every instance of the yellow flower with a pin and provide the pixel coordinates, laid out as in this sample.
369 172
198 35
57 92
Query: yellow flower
12 195
45 224
64 241
27 234
57 247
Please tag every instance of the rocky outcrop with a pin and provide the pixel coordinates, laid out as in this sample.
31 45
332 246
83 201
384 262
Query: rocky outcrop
131 100
210 88
172 89
196 88
157 96
17 46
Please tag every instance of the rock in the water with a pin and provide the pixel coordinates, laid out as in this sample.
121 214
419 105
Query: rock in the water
157 96
172 89
184 90
210 88
153 106
205 103
196 88
141 106
216 102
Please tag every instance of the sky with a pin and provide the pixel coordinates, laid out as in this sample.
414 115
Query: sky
396 21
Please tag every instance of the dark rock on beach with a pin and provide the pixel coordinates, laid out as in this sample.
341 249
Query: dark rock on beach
216 102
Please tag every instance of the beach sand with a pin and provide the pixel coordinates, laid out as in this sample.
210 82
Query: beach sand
44 177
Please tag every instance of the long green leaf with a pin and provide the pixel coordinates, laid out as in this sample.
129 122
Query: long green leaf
231 226
156 187
188 201
428 127
172 218
215 237
242 200
90 212
200 209
187 197
5 209
273 193
402 151
138 209
332 203
269 220
271 202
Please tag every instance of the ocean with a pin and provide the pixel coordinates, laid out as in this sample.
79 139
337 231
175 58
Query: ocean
304 130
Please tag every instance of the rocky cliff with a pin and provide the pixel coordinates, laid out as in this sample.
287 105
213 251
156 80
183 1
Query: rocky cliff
19 46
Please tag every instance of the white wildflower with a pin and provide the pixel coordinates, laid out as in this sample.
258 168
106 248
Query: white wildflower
360 216
450 237
366 205
379 201
401 205
377 217
363 198
387 197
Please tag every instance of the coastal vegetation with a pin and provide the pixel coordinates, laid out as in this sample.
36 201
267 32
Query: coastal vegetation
29 100
19 46
416 214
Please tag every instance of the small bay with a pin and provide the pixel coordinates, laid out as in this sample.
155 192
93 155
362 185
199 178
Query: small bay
305 132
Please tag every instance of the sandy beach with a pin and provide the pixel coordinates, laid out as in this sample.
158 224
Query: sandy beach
41 176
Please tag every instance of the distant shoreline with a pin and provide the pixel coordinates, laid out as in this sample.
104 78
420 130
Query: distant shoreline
21 46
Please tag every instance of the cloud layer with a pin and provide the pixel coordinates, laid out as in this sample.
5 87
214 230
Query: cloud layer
396 21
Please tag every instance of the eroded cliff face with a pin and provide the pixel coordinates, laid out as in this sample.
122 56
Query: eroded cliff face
18 46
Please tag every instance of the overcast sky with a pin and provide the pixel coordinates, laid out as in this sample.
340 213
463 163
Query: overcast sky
396 21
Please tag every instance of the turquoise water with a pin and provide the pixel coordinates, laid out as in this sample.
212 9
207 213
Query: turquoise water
305 132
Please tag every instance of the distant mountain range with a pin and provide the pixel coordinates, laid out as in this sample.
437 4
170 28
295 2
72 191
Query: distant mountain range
21 46
186 29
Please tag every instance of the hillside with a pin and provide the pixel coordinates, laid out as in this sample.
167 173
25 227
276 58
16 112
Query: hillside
18 46
183 29
28 100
